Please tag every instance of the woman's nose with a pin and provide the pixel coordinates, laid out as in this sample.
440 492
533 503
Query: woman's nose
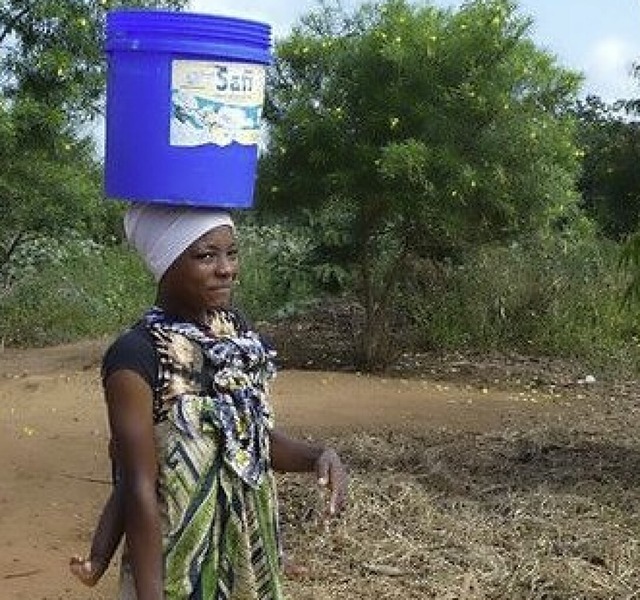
225 267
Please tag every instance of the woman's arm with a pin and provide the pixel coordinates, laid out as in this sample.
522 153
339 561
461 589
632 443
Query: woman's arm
109 531
294 456
130 406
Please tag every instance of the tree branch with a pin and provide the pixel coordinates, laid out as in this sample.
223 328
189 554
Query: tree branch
11 248
13 21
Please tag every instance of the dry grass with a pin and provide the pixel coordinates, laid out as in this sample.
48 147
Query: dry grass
547 508
550 511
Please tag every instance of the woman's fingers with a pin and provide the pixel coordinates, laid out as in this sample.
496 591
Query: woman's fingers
332 474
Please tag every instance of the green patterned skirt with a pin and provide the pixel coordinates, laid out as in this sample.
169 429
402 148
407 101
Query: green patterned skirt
220 535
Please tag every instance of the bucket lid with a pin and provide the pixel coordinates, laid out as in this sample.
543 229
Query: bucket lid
188 33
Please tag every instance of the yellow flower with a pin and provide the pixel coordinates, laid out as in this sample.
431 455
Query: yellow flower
242 458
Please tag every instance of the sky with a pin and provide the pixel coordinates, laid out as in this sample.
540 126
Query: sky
598 38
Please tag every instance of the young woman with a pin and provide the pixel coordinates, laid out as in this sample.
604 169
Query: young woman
194 440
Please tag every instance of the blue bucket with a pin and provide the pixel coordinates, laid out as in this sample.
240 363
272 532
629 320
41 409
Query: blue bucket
184 104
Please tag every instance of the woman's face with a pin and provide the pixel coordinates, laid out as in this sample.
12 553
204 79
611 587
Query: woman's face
202 277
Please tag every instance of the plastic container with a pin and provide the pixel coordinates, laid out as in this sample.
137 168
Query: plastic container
184 105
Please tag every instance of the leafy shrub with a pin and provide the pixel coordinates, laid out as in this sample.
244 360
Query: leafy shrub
56 291
274 277
547 297
554 297
62 291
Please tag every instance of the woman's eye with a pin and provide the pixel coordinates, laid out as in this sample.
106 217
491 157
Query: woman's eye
209 256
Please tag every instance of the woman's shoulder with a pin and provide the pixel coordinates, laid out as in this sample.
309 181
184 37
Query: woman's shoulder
135 350
135 338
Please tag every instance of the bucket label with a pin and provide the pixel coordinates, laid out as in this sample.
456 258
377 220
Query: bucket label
216 103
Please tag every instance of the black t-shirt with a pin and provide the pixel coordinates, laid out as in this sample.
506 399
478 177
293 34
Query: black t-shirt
133 350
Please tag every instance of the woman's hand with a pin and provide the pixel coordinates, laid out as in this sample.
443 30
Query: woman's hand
333 476
294 456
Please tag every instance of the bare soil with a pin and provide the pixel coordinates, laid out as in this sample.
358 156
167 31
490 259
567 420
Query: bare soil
471 477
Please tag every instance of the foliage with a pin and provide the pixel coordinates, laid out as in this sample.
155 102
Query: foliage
57 291
610 181
428 131
632 105
52 82
43 192
630 264
274 278
558 296
72 290
52 51
629 206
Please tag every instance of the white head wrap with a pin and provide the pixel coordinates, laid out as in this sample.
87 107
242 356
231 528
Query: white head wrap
161 233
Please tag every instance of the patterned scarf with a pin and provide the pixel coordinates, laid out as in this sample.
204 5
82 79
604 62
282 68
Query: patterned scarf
227 370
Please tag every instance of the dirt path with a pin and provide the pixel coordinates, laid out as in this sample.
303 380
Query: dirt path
53 439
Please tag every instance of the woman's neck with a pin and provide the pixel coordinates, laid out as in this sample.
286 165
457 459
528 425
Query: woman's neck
182 312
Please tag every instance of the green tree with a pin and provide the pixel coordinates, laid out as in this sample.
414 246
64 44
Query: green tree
414 133
44 191
52 51
52 70
630 258
609 182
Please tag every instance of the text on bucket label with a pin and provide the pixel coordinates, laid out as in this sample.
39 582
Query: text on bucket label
216 103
